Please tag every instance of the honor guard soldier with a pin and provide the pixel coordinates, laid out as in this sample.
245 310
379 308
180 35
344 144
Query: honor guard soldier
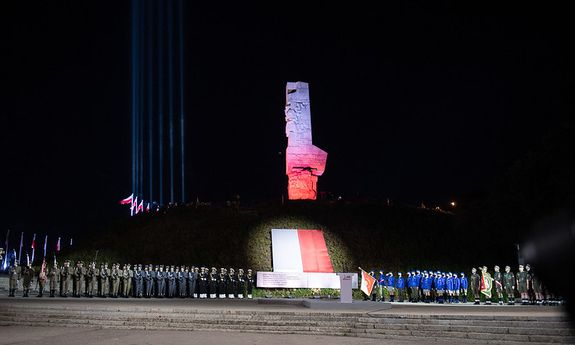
223 277
27 276
153 273
390 284
64 276
241 286
161 282
409 282
231 283
139 280
194 289
15 274
464 286
42 278
531 298
171 279
449 287
91 274
181 283
78 277
73 278
498 281
440 288
250 280
203 283
426 286
103 281
147 280
53 275
537 287
127 276
116 274
474 281
213 283
192 278
509 284
521 278
375 285
400 285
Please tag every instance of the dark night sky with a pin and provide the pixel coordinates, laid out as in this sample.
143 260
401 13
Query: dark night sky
413 102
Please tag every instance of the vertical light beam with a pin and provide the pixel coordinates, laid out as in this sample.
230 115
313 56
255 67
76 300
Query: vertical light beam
161 101
181 61
150 96
171 95
134 98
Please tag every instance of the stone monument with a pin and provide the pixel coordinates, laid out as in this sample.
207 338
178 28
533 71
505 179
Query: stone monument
304 161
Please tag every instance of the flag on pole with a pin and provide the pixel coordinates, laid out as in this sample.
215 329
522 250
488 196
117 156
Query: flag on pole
33 246
128 200
148 207
71 241
134 207
45 241
141 206
21 245
486 283
6 243
367 282
43 274
58 245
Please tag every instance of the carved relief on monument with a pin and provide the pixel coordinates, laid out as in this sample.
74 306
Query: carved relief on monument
304 161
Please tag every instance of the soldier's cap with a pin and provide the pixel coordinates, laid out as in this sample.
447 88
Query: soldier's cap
462 273
496 266
528 265
506 267
520 265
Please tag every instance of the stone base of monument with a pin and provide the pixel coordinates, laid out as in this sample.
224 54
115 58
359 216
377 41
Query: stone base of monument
461 325
323 304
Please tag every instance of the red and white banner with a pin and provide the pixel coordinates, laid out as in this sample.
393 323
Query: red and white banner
367 282
296 250
127 201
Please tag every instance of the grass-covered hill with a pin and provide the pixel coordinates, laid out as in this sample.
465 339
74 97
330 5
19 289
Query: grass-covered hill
367 234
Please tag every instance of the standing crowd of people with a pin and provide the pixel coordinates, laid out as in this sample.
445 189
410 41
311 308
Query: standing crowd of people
450 287
137 281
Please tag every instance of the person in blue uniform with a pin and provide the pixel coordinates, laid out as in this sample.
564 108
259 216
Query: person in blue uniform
390 284
464 285
381 285
400 285
456 287
440 287
426 286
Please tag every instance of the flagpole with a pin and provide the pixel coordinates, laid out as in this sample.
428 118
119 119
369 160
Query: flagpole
6 257
33 247
45 241
21 244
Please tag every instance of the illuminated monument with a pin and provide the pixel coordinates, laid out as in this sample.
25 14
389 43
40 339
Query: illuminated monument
304 161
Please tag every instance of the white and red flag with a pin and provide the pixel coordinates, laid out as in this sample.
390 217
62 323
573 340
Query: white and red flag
141 207
58 245
367 282
297 250
128 200
33 246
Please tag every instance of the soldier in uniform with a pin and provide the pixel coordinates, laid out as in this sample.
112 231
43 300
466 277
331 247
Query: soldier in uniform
91 274
147 279
415 294
203 283
179 280
231 283
530 289
250 280
182 278
426 286
64 276
213 283
53 275
153 274
464 285
15 274
27 276
184 291
116 274
138 281
126 280
456 287
171 278
160 282
42 278
197 283
78 277
103 284
381 285
474 281
521 278
241 288
537 287
498 280
509 284
192 278
222 282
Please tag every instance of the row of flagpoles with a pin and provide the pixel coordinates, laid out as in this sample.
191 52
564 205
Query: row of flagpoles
57 248
136 207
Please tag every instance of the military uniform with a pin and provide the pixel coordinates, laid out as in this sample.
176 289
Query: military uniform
509 284
15 274
116 273
241 286
27 276
127 275
474 281
103 284
498 281
171 279
64 276
192 278
138 281
53 275
42 278
464 285
231 283
250 280
147 280
160 281
222 283
203 283
91 274
78 279
213 283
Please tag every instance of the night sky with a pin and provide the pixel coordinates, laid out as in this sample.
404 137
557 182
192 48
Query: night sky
413 102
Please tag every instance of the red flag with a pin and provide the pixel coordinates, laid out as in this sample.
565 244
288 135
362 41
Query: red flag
58 245
367 282
128 200
134 207
141 207
148 207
